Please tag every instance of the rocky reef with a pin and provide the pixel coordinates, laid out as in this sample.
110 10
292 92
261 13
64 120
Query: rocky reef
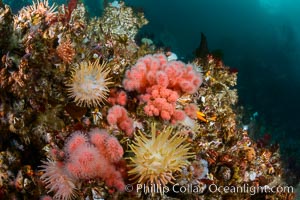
87 113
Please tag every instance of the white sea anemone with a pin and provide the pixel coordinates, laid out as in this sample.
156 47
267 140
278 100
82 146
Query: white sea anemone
89 84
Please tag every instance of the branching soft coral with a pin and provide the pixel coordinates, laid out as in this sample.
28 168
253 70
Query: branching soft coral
156 70
162 102
160 84
117 97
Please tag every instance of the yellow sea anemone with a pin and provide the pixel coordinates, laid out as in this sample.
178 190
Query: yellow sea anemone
158 157
89 84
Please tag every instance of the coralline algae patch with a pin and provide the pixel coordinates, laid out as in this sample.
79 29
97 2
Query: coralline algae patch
86 113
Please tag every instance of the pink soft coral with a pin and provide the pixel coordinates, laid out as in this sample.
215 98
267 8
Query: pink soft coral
95 157
108 145
86 162
156 70
75 141
90 157
117 115
161 102
160 84
117 97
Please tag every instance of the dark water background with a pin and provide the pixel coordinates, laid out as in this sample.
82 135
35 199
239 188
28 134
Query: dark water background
261 38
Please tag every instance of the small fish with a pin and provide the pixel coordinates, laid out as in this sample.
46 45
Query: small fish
201 116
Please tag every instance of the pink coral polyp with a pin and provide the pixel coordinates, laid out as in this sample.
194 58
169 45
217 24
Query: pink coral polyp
117 115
